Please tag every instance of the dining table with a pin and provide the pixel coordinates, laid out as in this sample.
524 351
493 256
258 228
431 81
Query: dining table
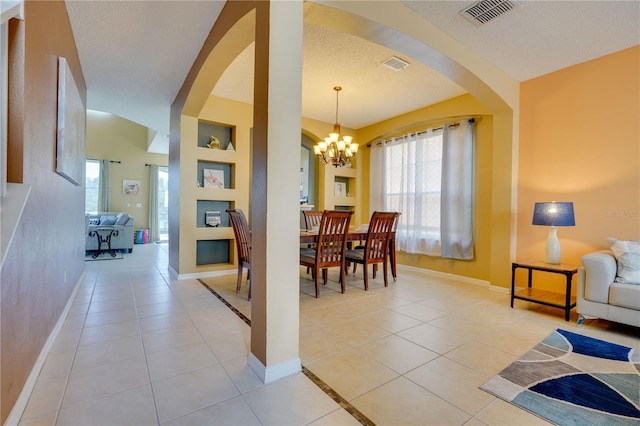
310 236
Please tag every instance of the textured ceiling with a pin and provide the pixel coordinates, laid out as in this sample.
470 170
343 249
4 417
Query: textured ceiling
136 54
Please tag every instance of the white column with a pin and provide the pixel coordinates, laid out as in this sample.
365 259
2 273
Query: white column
275 194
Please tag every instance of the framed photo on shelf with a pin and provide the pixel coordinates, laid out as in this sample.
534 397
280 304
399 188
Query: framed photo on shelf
213 178
340 189
212 218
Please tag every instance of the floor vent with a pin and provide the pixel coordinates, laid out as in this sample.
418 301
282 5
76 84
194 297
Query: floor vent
484 11
395 63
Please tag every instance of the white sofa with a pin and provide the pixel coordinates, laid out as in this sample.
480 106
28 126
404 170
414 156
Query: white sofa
123 224
600 296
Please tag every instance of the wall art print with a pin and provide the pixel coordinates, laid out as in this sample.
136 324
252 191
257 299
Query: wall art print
70 139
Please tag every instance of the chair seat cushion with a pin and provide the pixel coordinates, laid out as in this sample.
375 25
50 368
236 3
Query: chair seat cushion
356 254
307 255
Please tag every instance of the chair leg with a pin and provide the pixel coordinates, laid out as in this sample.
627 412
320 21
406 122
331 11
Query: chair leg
342 277
316 272
386 280
239 283
249 288
365 271
324 276
375 269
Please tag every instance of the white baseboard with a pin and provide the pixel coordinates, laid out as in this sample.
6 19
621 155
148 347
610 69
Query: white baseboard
197 275
446 275
21 403
274 372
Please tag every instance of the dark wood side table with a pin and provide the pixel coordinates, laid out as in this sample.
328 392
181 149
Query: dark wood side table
549 298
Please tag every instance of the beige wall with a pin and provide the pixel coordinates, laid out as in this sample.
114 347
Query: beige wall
46 257
111 137
580 142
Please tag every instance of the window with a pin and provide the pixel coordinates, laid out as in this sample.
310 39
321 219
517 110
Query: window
92 186
428 178
163 203
413 169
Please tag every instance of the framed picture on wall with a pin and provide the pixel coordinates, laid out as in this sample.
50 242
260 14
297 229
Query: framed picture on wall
213 178
70 137
130 187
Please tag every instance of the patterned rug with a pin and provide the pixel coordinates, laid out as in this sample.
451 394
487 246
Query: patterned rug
570 379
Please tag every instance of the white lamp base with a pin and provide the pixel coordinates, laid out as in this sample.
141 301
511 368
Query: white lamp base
552 247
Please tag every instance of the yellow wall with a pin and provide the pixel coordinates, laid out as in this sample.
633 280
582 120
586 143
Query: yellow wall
580 142
111 137
432 116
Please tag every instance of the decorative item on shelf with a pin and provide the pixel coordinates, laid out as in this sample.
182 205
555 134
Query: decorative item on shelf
213 178
340 189
336 149
230 147
214 142
212 218
553 214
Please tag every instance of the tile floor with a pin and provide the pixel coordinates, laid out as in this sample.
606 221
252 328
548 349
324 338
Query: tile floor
141 349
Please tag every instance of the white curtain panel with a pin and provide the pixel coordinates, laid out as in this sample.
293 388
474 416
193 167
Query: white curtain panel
104 204
154 232
456 202
376 180
428 177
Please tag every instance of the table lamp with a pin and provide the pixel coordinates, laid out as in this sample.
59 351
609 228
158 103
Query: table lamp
553 214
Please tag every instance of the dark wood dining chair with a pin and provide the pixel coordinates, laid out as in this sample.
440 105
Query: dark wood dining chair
312 218
330 248
243 244
376 246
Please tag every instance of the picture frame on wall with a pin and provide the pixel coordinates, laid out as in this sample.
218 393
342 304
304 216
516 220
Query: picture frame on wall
130 187
340 189
71 127
213 178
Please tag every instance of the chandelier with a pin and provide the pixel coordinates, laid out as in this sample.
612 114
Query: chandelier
336 149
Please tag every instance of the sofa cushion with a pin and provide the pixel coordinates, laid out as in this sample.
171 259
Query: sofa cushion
122 218
107 220
627 255
625 295
94 221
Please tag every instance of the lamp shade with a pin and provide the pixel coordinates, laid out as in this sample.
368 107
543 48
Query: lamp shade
554 214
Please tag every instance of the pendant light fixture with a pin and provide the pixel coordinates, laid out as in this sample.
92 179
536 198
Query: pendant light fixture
336 149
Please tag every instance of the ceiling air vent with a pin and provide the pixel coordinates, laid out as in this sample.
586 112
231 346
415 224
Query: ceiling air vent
395 63
484 11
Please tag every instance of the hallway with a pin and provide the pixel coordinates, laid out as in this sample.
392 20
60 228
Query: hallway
141 349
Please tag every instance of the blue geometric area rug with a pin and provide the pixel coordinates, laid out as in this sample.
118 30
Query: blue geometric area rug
570 379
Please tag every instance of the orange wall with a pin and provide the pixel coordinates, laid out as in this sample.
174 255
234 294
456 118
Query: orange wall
580 142
49 241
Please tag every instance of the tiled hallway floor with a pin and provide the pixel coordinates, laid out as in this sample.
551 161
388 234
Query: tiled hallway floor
141 349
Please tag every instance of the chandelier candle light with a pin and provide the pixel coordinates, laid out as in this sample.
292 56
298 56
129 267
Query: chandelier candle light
336 149
553 215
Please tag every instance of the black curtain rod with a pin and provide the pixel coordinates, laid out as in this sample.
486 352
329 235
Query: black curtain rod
115 161
422 132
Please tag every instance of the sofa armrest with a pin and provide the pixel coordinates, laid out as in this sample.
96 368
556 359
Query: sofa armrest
599 273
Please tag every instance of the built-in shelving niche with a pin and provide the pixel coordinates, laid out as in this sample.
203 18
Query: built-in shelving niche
213 205
212 252
222 132
226 169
